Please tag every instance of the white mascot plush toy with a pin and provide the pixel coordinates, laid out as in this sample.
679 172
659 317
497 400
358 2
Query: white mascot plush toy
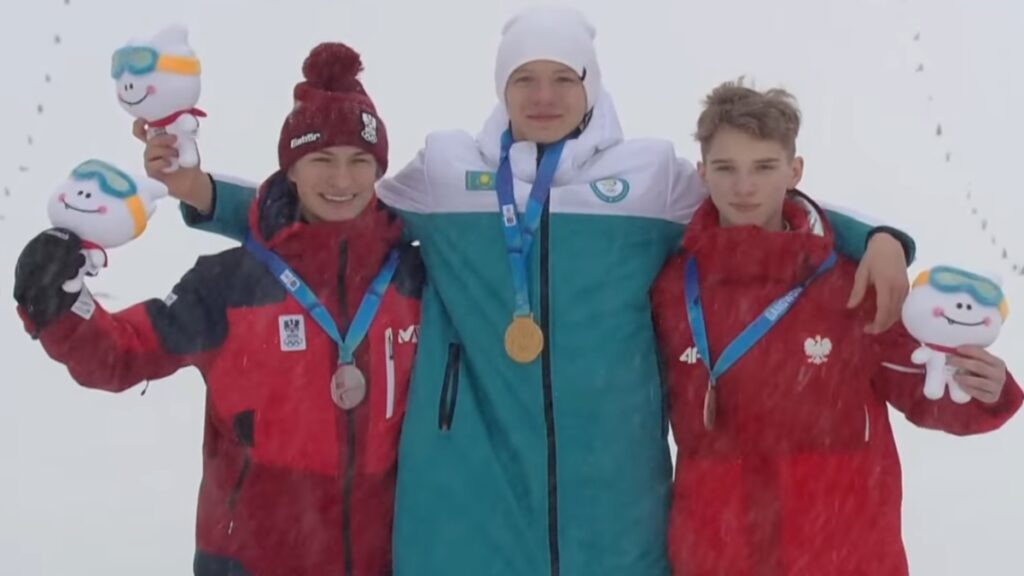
949 307
106 208
158 80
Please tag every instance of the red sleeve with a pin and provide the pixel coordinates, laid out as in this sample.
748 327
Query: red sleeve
147 341
110 352
901 383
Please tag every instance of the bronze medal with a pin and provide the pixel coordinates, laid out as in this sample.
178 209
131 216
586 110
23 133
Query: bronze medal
348 387
524 340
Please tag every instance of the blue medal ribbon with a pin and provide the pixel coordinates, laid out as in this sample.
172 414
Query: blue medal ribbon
519 235
750 335
298 289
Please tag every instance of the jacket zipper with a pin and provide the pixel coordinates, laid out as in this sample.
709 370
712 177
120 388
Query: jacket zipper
350 426
389 347
450 389
346 494
549 408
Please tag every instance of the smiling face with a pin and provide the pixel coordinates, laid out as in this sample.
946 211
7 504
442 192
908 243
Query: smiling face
156 95
157 77
80 206
950 318
334 184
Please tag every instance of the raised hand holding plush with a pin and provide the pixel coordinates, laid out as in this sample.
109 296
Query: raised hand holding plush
105 207
158 80
48 261
948 308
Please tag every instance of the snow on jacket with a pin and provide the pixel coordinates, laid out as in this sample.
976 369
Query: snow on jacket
560 466
292 484
799 475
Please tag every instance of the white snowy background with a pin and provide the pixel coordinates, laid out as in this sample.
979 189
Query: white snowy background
93 483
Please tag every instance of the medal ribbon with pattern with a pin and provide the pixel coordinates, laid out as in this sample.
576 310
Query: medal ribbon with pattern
746 340
348 386
524 340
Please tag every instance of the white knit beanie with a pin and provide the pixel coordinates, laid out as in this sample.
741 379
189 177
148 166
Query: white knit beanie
563 35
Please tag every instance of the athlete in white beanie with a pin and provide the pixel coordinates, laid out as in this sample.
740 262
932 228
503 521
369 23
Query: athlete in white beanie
546 73
562 35
503 479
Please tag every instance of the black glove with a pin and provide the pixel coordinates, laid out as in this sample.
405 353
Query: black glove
48 260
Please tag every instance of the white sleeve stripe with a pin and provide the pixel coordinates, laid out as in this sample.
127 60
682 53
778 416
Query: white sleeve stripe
84 306
904 369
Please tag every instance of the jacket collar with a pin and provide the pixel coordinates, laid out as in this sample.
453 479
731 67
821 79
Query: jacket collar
602 132
275 220
752 254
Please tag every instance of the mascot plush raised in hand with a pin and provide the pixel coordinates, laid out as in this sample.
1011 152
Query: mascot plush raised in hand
949 307
106 207
158 80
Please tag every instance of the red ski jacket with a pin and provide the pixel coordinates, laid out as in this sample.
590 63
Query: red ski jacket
799 475
293 485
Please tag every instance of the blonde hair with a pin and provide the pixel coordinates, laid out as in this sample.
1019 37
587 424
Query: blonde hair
769 115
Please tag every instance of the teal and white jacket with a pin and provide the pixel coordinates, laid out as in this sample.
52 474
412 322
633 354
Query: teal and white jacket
558 467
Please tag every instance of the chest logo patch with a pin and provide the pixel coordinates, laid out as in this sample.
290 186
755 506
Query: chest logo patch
817 350
610 190
292 332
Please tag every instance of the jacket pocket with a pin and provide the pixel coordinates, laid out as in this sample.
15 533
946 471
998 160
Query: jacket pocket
388 390
389 374
449 389
244 427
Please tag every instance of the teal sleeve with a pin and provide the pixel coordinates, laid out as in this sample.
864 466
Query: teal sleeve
852 236
230 216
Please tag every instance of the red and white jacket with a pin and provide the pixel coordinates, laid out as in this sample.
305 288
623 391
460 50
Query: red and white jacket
799 475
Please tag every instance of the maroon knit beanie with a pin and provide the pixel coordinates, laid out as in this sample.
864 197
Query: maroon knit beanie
332 109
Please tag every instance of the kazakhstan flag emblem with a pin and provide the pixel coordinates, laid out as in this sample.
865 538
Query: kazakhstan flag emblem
480 180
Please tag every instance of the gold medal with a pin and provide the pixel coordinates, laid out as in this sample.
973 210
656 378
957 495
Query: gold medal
524 339
710 407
